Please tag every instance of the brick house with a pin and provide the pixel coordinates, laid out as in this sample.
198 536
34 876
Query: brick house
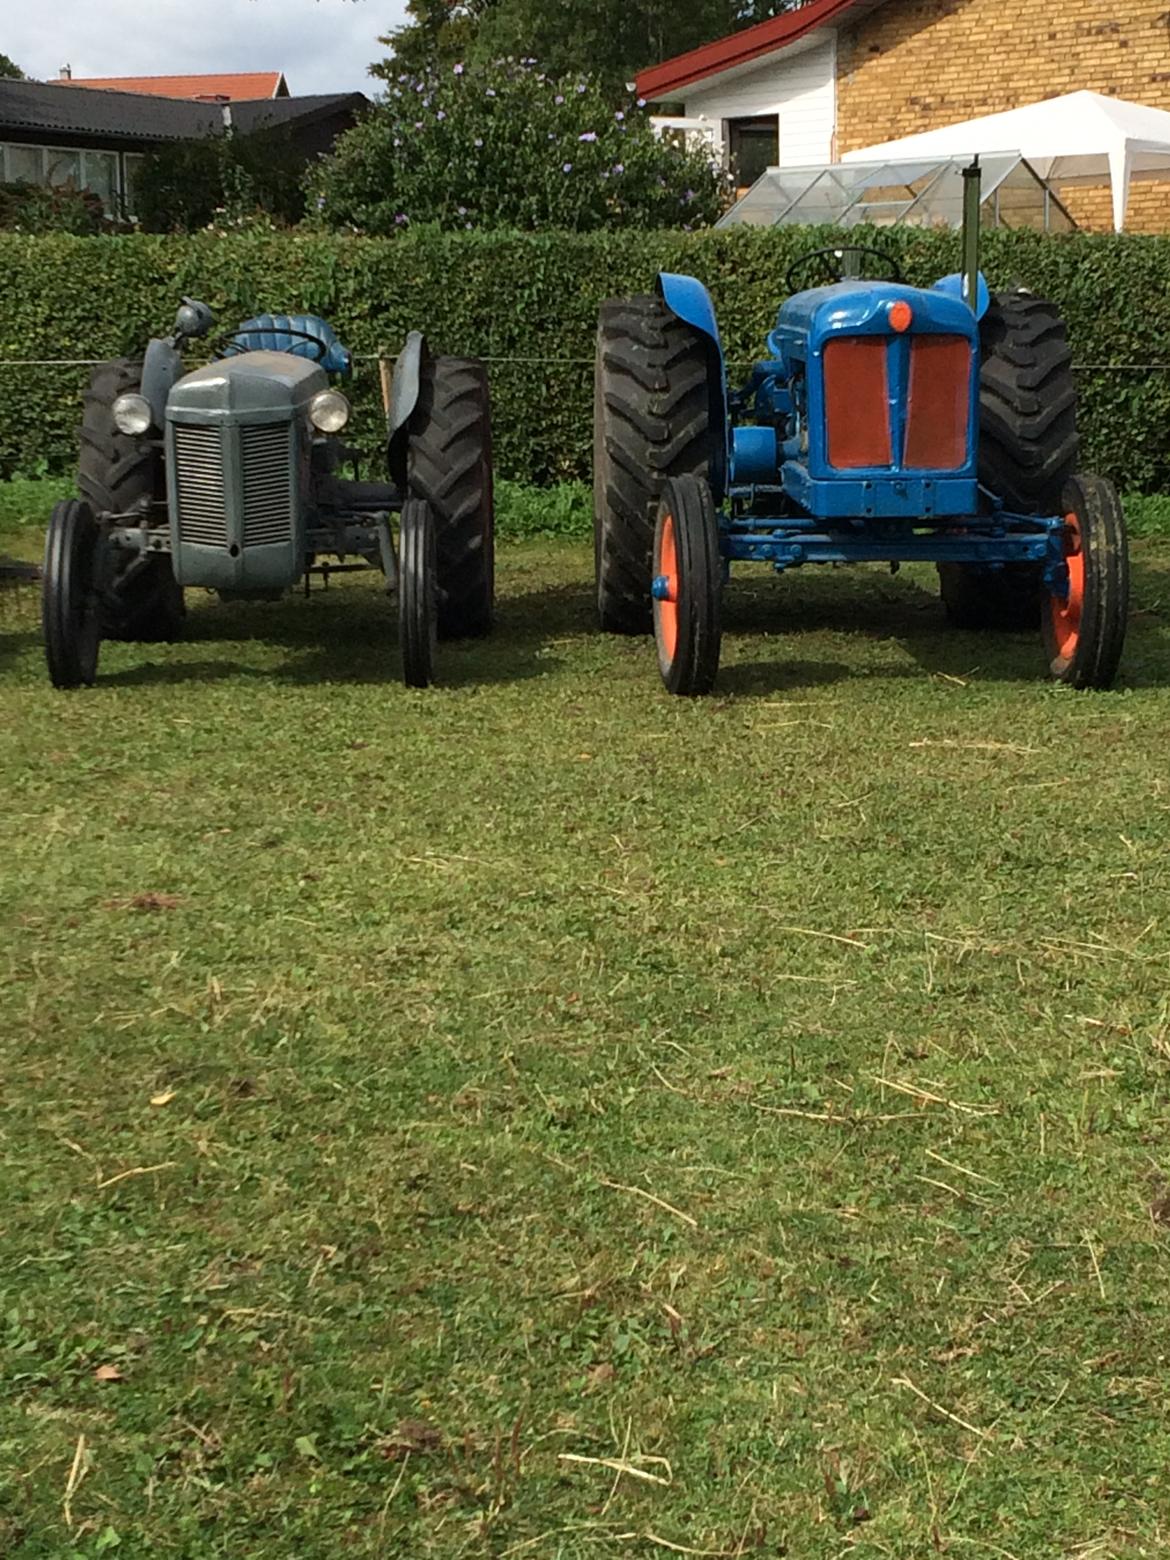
835 76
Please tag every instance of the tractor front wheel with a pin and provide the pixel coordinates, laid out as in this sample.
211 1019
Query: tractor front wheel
418 590
71 607
1084 628
687 587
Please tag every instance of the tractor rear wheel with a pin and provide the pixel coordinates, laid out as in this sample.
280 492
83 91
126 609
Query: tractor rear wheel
687 587
1027 450
118 473
977 597
651 422
449 465
70 601
1084 631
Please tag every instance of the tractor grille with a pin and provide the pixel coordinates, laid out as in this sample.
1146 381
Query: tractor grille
938 404
863 374
267 462
857 402
200 486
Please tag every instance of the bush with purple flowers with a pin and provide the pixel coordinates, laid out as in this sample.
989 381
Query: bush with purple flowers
505 146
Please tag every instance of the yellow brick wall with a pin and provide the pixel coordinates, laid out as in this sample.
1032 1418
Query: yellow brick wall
913 65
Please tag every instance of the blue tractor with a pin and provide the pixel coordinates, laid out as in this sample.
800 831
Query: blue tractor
887 423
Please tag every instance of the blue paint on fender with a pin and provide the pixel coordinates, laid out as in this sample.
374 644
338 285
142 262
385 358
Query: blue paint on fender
955 285
689 301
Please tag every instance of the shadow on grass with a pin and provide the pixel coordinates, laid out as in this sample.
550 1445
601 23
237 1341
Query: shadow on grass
17 644
20 601
350 635
866 606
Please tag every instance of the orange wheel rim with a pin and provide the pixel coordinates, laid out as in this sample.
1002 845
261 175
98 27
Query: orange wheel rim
667 606
1066 614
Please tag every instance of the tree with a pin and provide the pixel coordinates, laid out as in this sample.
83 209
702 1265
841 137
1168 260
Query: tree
611 39
440 32
507 146
10 70
185 185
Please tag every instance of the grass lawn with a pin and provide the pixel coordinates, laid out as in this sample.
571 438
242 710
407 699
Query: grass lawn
540 1118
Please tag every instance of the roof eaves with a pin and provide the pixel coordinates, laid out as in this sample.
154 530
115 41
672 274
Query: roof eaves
739 48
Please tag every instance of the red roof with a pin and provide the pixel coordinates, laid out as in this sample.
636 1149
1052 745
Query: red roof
237 87
740 48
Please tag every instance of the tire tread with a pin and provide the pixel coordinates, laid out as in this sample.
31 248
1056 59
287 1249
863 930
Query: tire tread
652 421
449 464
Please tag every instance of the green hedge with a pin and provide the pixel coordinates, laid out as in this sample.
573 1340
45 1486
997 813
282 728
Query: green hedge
528 303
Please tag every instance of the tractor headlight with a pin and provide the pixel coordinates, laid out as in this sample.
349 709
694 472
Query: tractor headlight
132 415
329 411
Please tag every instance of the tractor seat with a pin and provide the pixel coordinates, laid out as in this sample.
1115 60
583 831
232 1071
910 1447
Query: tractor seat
286 333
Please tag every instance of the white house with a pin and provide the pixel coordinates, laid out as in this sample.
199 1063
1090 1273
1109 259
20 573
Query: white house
768 94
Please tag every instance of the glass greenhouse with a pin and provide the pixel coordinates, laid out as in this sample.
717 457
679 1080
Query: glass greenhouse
926 193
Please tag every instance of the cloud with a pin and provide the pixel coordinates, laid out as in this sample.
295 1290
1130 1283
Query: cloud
321 45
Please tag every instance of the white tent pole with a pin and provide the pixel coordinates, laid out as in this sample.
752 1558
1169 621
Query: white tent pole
1120 171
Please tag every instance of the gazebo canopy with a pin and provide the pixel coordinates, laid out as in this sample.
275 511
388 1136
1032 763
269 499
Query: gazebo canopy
1083 137
894 192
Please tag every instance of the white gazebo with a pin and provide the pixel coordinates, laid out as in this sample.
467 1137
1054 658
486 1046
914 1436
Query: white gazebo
1081 138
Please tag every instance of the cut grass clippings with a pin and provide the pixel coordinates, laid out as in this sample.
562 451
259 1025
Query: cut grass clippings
539 1117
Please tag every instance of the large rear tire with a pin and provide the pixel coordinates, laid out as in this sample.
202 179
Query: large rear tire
1028 450
70 598
1028 446
118 474
449 465
651 422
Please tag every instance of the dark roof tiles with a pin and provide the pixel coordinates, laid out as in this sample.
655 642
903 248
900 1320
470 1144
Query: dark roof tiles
131 116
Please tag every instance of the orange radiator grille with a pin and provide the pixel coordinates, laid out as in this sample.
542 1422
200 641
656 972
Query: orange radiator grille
938 404
857 402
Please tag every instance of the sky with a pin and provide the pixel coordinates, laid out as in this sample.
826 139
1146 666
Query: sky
321 45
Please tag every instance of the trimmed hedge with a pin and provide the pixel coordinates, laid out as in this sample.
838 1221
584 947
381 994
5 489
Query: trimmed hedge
528 303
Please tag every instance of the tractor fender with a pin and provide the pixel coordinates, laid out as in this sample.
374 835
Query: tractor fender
404 389
688 300
955 286
162 366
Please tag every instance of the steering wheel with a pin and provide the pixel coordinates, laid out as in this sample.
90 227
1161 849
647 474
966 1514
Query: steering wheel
223 346
840 263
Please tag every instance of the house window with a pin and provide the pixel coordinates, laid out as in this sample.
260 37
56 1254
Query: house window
24 165
754 145
65 167
132 163
100 175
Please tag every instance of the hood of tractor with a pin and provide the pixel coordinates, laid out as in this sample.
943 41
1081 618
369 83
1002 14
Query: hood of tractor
271 384
808 320
888 381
